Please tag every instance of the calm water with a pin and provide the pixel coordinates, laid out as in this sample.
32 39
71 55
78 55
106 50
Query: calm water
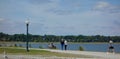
75 46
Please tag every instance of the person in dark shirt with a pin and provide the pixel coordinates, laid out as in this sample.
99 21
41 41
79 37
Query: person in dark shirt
62 44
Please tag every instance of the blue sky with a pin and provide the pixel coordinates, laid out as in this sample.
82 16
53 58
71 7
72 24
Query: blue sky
61 17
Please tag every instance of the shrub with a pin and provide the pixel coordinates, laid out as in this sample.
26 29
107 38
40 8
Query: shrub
81 48
15 45
40 47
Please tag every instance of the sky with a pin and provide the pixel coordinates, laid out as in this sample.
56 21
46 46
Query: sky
61 17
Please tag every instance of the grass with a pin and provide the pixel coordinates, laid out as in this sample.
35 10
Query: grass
17 50
21 51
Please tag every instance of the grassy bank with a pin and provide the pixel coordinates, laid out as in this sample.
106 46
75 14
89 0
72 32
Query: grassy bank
22 51
17 50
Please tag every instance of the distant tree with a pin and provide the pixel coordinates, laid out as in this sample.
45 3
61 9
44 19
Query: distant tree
53 38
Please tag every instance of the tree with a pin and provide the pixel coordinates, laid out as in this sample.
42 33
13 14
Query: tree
54 38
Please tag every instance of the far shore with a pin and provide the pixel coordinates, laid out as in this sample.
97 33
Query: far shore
1 42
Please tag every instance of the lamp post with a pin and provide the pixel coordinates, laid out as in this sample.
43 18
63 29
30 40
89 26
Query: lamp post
27 39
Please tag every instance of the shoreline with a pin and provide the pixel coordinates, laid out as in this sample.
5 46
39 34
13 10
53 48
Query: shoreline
71 44
68 42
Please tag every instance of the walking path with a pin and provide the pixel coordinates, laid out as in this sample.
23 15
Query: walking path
95 55
104 55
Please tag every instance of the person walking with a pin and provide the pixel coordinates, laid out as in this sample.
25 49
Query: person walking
111 48
62 44
65 42
111 42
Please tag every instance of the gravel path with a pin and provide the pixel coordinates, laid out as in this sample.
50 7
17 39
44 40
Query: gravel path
96 55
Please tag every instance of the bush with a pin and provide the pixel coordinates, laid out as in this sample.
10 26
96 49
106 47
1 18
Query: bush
81 48
15 45
40 47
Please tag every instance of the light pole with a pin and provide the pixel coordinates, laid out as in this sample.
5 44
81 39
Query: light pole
27 39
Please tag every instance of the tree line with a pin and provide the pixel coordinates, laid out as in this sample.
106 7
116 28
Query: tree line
55 38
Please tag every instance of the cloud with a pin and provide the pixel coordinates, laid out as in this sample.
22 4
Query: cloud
11 26
61 11
106 7
39 1
117 23
65 7
101 5
1 19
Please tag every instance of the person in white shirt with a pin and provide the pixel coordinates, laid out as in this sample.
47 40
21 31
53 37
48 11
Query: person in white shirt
111 47
65 42
110 41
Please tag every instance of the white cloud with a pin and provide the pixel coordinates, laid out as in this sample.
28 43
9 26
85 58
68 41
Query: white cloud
1 19
102 5
64 7
106 7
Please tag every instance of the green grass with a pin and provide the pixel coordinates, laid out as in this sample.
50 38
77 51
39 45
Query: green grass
18 51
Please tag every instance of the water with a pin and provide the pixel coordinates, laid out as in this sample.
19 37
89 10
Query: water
101 47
